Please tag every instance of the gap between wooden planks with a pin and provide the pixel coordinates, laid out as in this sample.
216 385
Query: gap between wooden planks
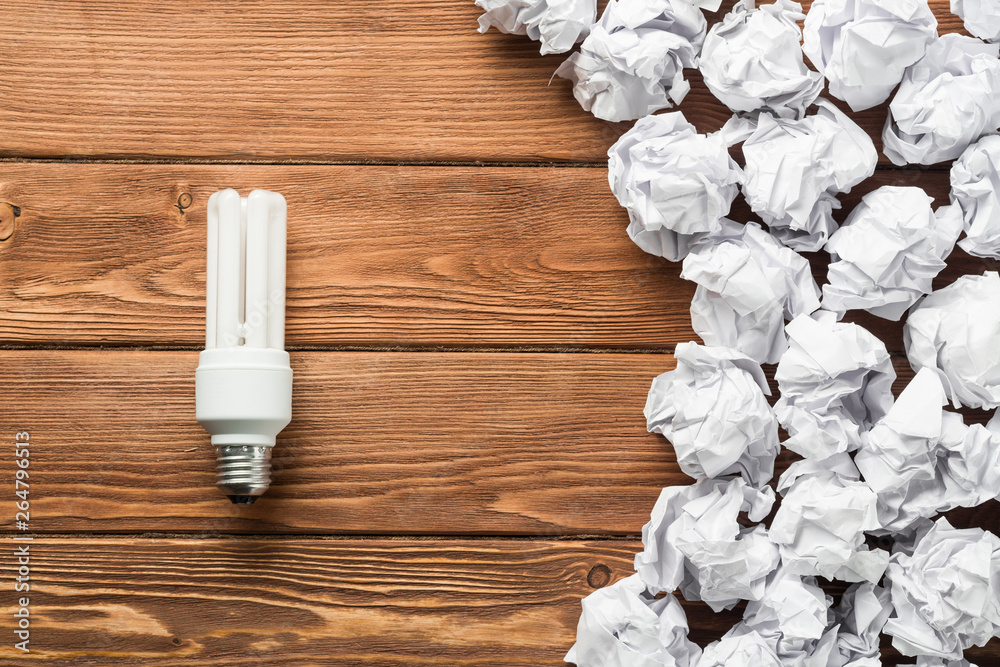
380 443
183 602
379 256
300 80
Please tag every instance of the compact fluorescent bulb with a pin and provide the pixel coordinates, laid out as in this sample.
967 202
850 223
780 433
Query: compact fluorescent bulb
243 385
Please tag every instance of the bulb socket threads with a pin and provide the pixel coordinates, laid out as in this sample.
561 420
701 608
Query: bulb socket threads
243 398
244 472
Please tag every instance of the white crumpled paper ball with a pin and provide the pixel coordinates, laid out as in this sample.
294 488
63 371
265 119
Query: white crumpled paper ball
972 465
888 251
622 624
794 169
899 456
631 63
835 382
721 580
713 411
981 17
557 24
863 610
946 593
956 332
676 184
693 541
975 188
921 460
752 59
740 647
793 618
821 523
864 46
748 285
930 661
947 100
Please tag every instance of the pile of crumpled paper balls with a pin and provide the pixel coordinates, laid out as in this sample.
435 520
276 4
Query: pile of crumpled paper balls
874 472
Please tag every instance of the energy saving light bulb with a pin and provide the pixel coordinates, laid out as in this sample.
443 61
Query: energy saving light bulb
243 385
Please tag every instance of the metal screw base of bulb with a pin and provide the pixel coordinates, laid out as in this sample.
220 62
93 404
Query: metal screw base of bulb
244 472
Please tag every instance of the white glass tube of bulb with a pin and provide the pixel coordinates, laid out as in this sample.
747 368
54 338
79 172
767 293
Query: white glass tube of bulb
243 385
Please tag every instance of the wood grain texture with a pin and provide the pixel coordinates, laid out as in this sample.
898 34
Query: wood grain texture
378 256
301 80
380 443
232 603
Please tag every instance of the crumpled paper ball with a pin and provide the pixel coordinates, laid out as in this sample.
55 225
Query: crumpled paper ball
888 251
864 46
975 188
693 541
631 63
821 523
972 464
793 617
947 100
720 581
676 184
748 285
835 382
557 24
921 460
965 474
740 647
946 593
929 661
955 331
863 610
623 624
752 59
713 411
981 17
794 169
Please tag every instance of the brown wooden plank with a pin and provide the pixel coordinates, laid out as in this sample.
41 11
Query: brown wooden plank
378 256
302 80
307 602
415 443
203 602
380 443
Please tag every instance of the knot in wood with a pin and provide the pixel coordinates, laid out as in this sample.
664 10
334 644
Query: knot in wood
599 576
8 215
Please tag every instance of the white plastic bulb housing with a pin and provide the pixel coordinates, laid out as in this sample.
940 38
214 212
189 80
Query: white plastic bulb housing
243 384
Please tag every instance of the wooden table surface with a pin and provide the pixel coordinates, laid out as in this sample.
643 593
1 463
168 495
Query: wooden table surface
472 333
